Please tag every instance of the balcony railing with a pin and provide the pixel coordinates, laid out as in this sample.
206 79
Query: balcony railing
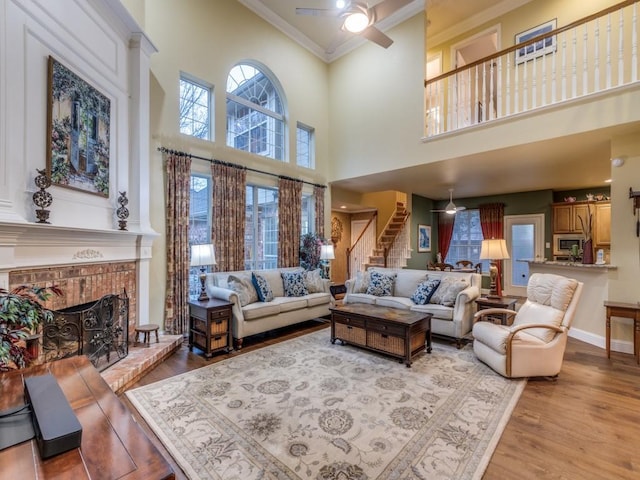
586 57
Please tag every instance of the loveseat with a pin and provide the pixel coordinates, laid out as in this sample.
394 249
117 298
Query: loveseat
292 300
448 296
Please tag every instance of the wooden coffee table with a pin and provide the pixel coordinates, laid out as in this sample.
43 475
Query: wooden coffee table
399 333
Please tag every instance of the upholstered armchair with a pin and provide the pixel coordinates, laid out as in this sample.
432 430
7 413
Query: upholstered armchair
533 344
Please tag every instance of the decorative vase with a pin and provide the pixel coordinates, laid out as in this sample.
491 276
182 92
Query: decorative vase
587 252
42 198
122 212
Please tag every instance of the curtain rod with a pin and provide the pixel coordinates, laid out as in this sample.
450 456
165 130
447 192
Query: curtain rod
228 164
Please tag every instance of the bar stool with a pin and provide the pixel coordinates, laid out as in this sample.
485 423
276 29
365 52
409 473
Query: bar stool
146 333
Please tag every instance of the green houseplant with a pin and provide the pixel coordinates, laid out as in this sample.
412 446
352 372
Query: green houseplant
21 313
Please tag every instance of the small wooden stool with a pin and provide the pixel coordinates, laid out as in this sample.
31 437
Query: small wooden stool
146 333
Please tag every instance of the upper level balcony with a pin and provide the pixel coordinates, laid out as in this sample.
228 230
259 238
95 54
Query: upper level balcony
548 67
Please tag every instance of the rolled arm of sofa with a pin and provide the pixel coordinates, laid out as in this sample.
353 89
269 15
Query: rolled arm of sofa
463 310
230 296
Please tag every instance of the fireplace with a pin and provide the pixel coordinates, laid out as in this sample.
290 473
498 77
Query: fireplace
98 330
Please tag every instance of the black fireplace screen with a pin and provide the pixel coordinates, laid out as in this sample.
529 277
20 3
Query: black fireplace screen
98 330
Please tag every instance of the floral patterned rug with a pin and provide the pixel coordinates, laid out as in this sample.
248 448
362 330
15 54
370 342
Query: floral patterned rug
308 409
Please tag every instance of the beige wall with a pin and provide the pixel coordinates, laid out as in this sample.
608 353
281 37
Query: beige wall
625 245
206 39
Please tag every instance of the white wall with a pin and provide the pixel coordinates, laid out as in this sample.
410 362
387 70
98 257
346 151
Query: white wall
100 43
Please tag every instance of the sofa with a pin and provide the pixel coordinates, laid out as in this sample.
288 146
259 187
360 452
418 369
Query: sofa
289 302
448 296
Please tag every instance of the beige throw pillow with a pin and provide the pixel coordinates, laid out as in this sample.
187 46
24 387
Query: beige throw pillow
313 281
244 288
448 290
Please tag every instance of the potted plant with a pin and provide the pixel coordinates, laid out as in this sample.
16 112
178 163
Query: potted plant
21 313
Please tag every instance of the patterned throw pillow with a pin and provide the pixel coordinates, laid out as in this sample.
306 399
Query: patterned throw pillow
313 281
362 282
448 290
244 288
425 290
262 287
381 284
294 284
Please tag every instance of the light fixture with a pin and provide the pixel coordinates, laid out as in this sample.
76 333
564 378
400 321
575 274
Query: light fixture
451 207
617 161
494 249
357 19
326 254
201 256
340 4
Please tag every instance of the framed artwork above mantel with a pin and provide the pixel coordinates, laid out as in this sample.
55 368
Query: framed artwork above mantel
78 132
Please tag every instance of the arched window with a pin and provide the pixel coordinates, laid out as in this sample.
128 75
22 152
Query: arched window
255 113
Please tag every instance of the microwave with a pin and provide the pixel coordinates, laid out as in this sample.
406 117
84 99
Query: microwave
562 244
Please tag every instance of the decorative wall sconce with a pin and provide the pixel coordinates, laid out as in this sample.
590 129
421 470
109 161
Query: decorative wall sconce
42 198
636 208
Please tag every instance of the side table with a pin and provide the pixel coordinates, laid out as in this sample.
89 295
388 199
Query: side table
210 326
624 310
497 302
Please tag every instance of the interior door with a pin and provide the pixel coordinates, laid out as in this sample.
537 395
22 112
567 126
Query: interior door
525 240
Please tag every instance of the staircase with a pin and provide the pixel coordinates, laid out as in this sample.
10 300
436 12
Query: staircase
393 230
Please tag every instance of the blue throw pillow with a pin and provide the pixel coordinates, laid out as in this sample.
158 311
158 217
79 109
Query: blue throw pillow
294 284
262 287
425 291
381 284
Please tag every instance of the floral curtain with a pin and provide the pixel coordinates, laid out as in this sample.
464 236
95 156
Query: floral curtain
492 223
289 219
318 194
229 209
178 182
445 232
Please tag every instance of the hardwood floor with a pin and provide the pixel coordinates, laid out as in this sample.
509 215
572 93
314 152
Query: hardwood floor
582 426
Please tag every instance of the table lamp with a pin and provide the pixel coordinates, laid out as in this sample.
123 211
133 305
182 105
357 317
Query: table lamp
201 256
494 249
326 254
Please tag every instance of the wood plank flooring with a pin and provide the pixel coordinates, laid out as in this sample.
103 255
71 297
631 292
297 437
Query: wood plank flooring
584 426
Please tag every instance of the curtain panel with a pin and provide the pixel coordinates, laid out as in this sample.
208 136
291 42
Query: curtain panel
178 183
289 222
318 195
228 211
492 224
445 232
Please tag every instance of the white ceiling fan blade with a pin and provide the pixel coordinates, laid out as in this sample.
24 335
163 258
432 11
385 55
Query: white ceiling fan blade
387 7
459 209
373 34
319 12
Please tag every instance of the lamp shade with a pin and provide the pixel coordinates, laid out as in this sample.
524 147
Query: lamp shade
326 252
202 255
494 249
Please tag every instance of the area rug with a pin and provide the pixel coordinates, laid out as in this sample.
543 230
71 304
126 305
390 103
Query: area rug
309 409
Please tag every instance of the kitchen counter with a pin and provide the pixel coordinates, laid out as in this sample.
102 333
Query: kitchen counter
568 264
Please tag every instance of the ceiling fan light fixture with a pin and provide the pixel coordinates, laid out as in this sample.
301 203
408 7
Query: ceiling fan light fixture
450 208
356 21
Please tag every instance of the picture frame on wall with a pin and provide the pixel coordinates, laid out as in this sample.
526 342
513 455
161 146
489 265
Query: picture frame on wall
424 238
539 48
78 132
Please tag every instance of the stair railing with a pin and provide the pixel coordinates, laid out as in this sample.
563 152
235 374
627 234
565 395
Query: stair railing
363 245
400 250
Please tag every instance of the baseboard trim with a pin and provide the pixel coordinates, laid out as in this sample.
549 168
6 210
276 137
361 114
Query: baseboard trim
622 346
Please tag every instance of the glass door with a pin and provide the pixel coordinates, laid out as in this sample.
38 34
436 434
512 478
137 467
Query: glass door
525 240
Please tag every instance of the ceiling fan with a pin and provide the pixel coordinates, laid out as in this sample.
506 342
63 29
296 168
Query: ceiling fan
451 208
359 18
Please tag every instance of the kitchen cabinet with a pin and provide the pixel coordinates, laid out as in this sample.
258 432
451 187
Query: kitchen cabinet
602 226
566 217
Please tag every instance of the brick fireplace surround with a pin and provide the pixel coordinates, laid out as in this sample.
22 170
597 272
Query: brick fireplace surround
82 284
